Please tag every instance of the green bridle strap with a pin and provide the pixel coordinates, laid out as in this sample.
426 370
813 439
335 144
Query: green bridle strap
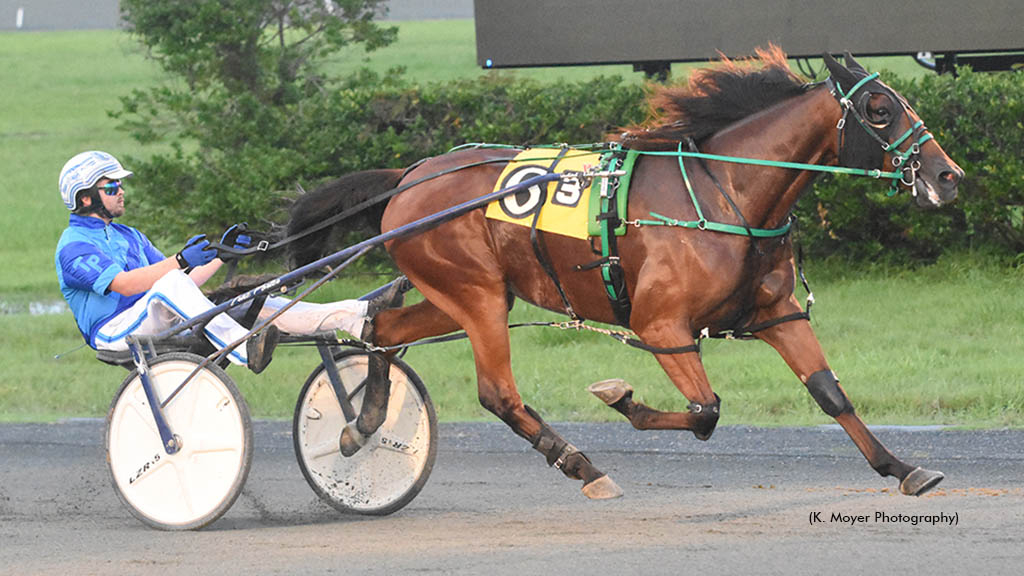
856 86
702 223
898 141
713 226
778 164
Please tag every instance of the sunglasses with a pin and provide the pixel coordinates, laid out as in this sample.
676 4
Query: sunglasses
111 188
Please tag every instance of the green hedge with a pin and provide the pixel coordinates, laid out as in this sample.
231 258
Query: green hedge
371 122
259 154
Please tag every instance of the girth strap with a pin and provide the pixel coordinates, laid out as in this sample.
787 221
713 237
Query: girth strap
656 350
776 321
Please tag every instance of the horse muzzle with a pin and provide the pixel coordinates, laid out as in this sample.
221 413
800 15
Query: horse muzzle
934 191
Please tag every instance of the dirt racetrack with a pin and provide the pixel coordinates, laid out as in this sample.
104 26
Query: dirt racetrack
742 503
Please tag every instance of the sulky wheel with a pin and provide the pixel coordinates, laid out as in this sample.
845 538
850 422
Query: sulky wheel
193 487
391 469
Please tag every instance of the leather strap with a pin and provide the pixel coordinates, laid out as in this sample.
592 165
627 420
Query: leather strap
540 249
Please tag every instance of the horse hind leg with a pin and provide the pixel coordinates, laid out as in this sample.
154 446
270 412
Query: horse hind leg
497 392
391 327
376 393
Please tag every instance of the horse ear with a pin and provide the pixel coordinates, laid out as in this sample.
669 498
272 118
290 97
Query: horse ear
853 64
837 70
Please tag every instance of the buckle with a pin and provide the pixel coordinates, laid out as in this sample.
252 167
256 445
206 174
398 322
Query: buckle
567 450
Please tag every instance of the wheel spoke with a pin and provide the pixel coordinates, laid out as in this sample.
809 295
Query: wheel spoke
145 414
325 448
203 443
186 494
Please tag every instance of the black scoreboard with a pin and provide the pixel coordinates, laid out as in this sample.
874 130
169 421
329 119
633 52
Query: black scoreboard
651 34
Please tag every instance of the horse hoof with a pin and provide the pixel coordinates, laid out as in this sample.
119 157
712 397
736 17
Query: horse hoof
351 440
603 488
610 391
920 481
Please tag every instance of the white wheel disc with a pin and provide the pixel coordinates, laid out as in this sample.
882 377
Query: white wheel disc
194 486
385 474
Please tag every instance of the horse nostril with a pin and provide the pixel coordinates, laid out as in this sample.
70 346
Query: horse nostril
949 178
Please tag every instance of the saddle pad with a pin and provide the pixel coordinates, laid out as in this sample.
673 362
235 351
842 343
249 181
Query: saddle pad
566 205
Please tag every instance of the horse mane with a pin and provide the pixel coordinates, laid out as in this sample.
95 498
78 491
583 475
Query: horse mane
713 99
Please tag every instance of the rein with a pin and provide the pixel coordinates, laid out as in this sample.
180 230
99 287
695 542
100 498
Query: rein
265 246
702 223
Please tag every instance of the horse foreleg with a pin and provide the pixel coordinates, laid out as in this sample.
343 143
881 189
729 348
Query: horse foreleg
618 394
799 347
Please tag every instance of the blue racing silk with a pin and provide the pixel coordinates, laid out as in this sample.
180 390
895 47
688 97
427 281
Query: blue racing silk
89 255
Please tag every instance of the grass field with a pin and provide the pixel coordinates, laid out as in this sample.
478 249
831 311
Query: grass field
935 346
938 345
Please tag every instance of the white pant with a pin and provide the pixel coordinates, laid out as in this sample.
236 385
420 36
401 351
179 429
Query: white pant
175 298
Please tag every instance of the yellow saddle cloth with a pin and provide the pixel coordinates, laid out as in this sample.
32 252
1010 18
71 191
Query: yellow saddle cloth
566 205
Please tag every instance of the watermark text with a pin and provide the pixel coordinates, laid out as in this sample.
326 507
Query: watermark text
880 517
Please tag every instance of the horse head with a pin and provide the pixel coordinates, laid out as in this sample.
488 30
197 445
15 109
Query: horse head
890 135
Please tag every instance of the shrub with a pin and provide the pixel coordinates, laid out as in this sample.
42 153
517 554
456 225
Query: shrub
368 122
371 121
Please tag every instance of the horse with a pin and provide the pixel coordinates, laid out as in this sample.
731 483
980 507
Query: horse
680 281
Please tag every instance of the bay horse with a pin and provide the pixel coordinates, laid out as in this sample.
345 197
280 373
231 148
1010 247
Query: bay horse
681 281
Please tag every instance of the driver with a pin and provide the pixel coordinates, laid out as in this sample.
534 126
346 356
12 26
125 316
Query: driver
117 283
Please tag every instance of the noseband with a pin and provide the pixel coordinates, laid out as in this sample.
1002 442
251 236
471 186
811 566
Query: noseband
905 161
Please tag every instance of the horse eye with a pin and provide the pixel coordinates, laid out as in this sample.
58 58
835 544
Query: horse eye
877 109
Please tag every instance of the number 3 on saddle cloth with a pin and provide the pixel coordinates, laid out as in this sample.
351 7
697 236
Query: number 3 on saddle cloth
596 213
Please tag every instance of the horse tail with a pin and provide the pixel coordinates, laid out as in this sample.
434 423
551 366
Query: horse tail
331 198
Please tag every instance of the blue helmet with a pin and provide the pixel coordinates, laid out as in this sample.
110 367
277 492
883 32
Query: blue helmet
84 170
